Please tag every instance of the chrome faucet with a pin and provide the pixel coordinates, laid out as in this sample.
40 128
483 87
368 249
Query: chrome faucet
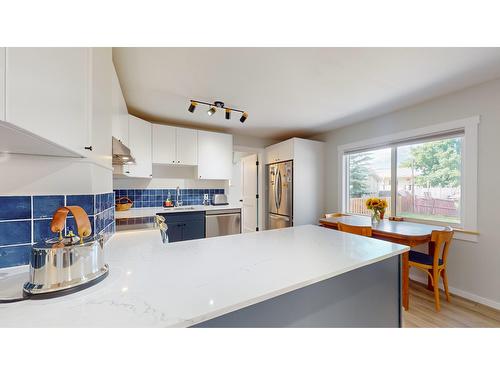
178 202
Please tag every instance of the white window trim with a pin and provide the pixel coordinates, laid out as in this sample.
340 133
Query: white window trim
469 170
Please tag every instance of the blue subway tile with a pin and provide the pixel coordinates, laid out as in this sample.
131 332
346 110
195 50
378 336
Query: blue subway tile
15 207
71 225
15 232
14 255
44 206
84 201
41 230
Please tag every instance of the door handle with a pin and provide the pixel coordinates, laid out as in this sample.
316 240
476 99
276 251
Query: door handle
279 217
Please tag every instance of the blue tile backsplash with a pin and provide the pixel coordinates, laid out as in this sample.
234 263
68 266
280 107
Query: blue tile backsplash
15 208
44 206
156 197
25 220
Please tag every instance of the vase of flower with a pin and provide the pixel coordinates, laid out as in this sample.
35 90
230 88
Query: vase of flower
377 206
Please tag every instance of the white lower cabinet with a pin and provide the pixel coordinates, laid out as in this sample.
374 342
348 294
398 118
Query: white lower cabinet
215 155
140 147
47 94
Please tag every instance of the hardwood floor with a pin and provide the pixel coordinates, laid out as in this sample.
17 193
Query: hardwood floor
460 312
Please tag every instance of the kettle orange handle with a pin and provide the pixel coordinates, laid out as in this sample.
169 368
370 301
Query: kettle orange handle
83 226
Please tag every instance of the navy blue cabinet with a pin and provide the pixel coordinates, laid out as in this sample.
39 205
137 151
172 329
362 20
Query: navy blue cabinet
184 226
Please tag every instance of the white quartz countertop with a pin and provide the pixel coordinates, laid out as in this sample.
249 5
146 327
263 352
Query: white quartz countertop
184 283
152 211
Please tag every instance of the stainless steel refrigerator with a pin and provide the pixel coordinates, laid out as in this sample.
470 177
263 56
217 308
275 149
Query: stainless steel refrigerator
280 195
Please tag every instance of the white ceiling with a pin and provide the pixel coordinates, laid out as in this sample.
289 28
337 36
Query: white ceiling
293 91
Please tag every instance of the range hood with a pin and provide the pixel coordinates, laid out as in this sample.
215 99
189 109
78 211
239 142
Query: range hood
121 153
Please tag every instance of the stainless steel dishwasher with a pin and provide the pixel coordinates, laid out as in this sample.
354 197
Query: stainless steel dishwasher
222 222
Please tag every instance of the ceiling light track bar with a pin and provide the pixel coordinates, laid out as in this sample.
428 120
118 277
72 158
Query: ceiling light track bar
214 104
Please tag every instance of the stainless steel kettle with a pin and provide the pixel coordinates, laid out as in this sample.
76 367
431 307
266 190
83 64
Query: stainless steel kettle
68 263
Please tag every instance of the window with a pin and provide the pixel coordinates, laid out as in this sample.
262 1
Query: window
369 175
429 180
426 175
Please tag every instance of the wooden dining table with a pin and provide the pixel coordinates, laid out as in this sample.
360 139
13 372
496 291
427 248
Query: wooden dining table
401 232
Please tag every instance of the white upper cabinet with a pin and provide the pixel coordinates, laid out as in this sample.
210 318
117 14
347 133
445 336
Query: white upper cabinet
172 145
101 113
164 140
215 155
279 152
120 128
140 147
186 146
2 83
47 94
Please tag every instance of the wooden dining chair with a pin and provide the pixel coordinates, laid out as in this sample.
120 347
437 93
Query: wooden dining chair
335 214
355 229
434 263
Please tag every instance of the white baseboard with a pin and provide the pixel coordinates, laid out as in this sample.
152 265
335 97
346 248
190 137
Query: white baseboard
462 293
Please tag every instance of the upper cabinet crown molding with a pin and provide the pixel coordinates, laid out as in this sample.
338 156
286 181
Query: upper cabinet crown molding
174 146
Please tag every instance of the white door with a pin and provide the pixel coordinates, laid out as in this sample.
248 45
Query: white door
140 147
47 93
101 114
215 155
249 181
163 143
119 122
187 146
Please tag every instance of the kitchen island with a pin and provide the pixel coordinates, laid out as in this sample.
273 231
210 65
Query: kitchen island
305 276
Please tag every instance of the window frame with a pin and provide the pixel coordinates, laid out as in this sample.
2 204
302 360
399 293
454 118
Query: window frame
467 229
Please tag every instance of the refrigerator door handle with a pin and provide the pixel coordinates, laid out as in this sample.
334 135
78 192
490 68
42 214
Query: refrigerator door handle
279 189
275 187
279 217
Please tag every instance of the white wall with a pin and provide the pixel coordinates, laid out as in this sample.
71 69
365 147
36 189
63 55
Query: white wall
473 267
168 177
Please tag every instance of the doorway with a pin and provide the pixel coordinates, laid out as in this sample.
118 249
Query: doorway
244 189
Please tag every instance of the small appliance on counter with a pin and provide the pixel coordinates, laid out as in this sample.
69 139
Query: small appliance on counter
219 200
65 264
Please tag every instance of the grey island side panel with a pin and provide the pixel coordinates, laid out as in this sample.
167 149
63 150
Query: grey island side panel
365 297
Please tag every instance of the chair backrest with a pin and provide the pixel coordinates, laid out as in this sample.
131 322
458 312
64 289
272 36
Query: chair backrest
441 241
356 229
335 214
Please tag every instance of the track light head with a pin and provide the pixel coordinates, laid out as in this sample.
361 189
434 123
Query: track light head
228 114
211 111
192 106
243 117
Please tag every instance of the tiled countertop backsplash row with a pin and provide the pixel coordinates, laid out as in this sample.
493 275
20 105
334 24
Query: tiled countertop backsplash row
25 220
156 197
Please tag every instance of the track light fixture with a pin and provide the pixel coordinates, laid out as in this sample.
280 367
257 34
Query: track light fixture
192 106
214 106
243 117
